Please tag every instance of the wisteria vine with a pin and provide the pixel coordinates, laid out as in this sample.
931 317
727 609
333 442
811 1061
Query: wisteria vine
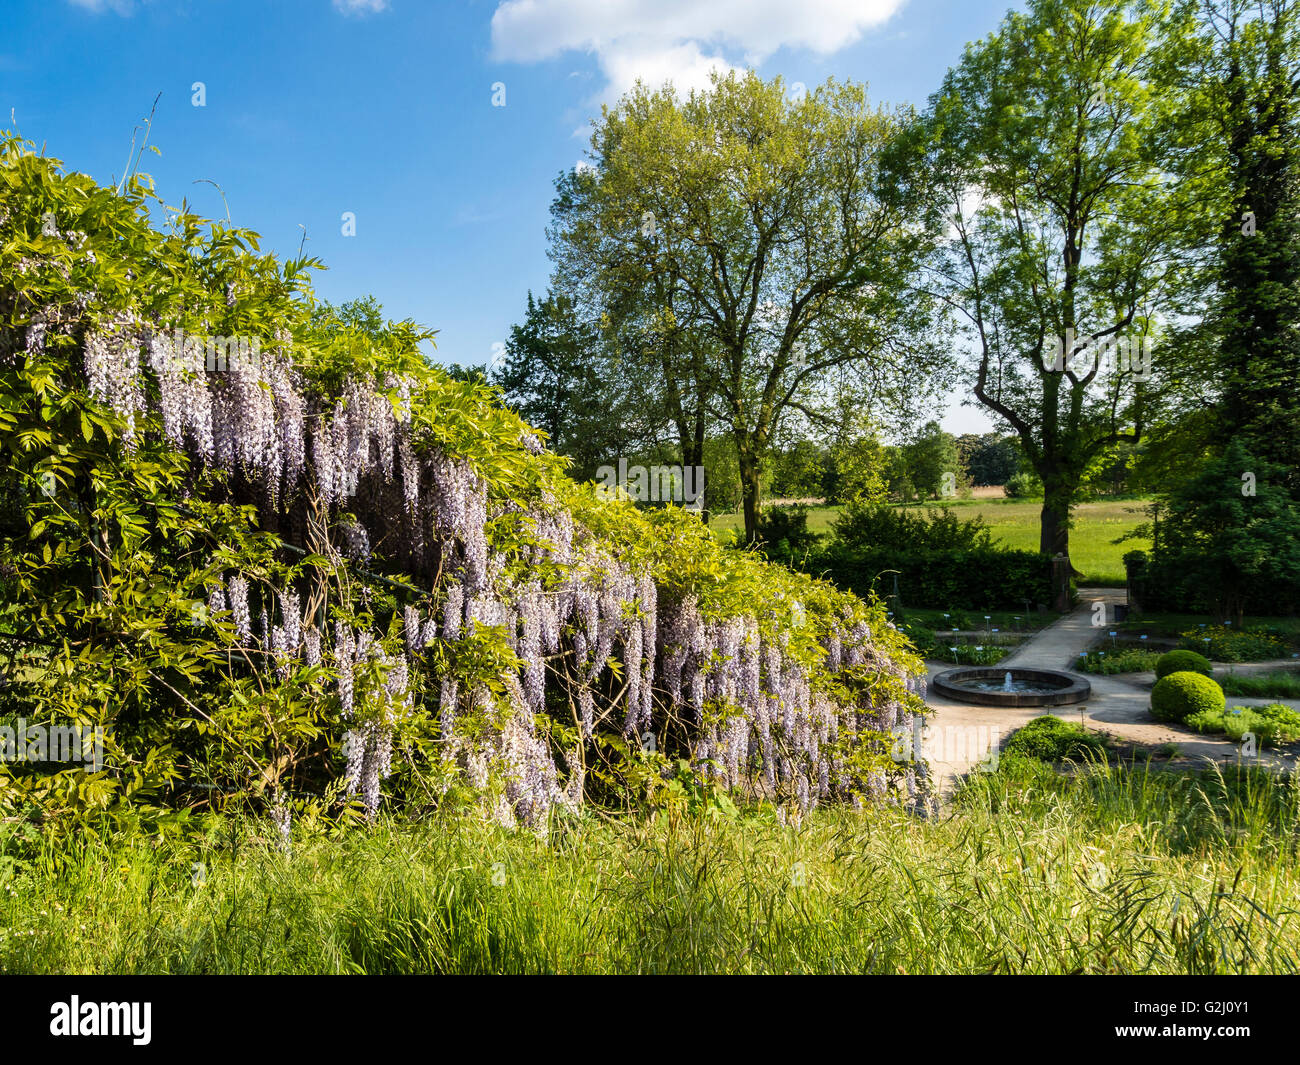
592 629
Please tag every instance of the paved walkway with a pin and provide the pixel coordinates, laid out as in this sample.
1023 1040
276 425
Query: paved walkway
959 735
1058 645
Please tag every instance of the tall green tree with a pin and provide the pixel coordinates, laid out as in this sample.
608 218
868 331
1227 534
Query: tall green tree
1236 362
931 456
1051 139
1242 530
769 241
1247 85
989 458
555 374
858 461
637 311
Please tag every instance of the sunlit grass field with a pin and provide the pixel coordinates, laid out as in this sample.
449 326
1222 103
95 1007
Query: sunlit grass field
1108 869
1015 524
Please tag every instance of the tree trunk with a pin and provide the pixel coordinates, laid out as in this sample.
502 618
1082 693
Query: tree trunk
749 488
1054 537
1054 530
692 444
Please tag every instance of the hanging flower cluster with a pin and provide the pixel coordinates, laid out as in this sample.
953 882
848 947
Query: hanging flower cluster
775 696
759 715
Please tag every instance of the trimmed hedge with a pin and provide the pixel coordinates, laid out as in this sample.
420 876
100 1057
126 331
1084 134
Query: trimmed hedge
979 579
937 560
1180 695
1183 662
1186 584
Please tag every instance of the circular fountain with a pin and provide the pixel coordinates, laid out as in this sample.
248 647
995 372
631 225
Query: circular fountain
991 686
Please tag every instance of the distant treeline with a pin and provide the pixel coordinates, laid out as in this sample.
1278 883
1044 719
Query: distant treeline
934 465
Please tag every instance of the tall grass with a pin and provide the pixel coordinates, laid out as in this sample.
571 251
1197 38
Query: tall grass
1104 870
1123 660
1277 684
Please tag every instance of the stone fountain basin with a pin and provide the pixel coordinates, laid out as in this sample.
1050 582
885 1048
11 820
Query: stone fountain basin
1054 688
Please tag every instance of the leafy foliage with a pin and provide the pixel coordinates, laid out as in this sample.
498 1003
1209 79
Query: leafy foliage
1235 524
878 526
1180 695
754 247
1024 484
1181 661
555 375
976 580
1226 643
937 558
990 458
1237 67
338 577
1271 725
1128 660
783 532
1053 739
1052 154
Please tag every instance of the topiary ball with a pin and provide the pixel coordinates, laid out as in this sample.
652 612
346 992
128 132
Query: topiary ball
1179 695
1183 662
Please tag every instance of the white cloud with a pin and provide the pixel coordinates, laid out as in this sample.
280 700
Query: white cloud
361 7
98 7
685 65
678 40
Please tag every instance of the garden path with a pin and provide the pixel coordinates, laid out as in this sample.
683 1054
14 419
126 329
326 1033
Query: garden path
959 735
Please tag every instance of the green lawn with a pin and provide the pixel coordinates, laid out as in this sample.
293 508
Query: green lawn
1015 525
819 521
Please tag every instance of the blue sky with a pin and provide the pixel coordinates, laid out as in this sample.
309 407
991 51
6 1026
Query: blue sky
384 108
